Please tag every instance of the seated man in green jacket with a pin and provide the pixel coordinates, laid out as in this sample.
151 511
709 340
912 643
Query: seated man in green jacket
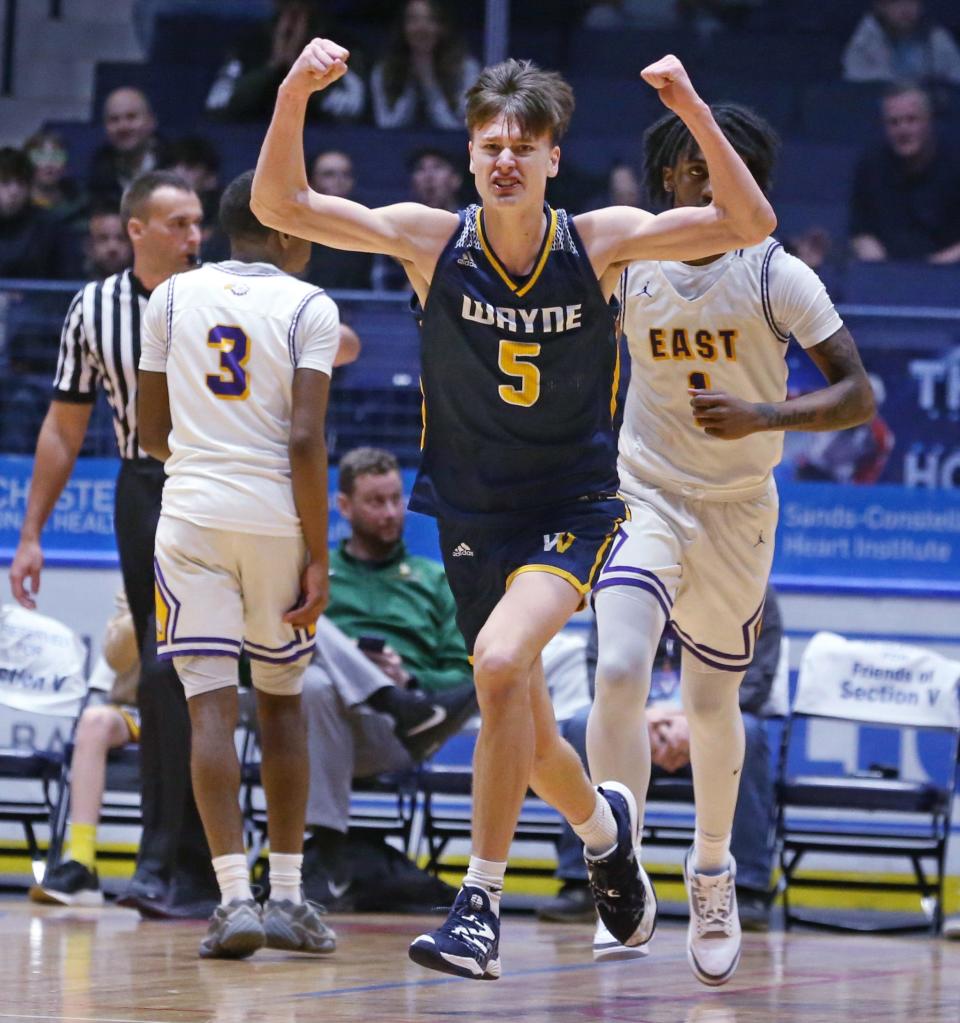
390 678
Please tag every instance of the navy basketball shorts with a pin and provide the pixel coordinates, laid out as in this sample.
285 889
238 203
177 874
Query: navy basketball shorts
570 541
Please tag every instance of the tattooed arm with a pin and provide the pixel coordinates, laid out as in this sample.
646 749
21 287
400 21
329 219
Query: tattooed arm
846 400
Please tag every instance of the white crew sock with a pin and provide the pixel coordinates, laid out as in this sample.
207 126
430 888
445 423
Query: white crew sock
233 877
599 831
488 875
285 876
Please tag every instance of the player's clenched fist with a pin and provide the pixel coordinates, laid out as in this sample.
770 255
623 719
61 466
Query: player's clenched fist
320 64
669 77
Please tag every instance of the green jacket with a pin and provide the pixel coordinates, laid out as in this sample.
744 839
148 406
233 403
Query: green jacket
407 601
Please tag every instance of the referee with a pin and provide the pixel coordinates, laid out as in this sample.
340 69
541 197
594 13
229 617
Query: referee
100 346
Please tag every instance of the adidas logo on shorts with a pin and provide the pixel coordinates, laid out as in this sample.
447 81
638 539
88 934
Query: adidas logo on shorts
462 550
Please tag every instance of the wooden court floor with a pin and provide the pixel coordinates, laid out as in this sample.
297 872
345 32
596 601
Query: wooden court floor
109 966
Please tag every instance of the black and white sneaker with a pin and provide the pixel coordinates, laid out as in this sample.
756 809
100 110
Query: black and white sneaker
467 944
69 884
624 895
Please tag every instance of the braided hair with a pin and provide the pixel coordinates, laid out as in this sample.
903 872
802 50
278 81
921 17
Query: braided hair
669 140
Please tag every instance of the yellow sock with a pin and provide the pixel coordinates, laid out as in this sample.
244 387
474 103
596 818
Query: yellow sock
82 845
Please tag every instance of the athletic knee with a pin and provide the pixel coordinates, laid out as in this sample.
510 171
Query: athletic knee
96 728
499 671
278 679
621 675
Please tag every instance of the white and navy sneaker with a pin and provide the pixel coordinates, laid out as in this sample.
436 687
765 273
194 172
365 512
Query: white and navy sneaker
606 947
468 942
69 884
713 936
621 889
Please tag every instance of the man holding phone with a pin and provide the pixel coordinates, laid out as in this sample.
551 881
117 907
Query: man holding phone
390 679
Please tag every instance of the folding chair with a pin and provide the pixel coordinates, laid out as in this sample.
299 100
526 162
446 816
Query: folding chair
42 684
909 694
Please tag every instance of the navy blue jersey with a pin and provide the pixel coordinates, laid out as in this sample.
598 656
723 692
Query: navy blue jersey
518 378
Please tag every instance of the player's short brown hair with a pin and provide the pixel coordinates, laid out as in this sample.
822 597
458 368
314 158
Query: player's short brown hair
536 101
364 462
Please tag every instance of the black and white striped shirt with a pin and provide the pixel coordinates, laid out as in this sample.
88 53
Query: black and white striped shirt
100 343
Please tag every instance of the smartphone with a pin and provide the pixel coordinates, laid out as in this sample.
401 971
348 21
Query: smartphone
371 644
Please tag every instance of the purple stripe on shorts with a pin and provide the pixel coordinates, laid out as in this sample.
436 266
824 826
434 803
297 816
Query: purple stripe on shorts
299 641
748 642
640 584
164 654
281 660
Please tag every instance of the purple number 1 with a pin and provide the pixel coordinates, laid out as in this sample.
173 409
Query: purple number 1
232 382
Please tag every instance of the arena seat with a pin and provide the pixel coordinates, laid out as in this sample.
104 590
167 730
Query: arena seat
872 812
901 283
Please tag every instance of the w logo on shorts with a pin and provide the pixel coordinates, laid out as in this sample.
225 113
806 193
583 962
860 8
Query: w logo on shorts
558 541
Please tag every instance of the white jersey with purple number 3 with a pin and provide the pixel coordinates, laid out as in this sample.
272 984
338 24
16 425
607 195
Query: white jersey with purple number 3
229 337
721 326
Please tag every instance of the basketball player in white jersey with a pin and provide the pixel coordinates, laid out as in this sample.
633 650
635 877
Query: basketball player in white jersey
701 434
234 377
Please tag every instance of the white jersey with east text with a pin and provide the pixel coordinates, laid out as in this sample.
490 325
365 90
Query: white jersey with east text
724 326
229 337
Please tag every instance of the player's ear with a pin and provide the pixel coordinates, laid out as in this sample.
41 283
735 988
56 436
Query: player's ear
554 165
343 504
135 229
470 151
668 179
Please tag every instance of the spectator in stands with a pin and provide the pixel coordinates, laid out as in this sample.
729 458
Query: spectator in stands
109 720
132 146
753 832
612 14
896 41
28 236
196 159
622 187
421 80
435 181
246 87
331 173
389 700
107 250
906 193
52 189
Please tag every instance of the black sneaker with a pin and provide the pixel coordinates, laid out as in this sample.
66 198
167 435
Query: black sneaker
441 715
69 884
572 905
754 906
622 891
467 943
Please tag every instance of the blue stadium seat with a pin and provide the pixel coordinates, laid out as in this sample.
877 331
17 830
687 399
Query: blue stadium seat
625 52
814 170
799 216
778 57
200 39
841 112
917 284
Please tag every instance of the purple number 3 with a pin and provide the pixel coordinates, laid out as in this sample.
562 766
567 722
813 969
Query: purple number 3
232 382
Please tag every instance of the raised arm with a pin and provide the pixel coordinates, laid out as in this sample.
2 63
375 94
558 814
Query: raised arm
282 198
738 216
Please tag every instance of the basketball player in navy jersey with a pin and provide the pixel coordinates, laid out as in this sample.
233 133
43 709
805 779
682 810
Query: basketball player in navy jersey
519 462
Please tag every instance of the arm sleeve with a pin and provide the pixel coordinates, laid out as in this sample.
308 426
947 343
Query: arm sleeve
451 667
316 333
154 329
758 680
77 375
799 301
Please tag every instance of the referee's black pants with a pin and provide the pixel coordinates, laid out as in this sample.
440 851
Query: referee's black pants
174 859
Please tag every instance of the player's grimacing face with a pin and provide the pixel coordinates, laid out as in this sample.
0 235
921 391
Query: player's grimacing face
510 166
